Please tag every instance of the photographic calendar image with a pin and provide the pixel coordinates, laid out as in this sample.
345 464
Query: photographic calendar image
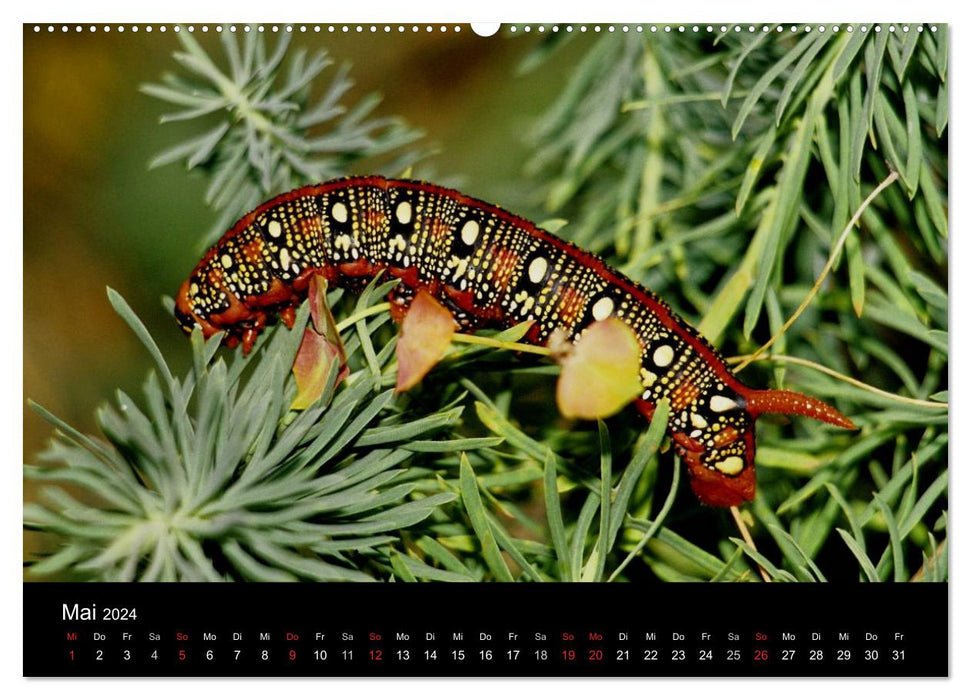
653 317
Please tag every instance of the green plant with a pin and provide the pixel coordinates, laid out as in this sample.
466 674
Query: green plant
263 133
216 478
720 170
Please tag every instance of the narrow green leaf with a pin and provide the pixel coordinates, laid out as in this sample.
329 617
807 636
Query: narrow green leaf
730 81
194 151
305 567
418 569
401 571
775 572
580 532
515 437
783 215
554 517
456 445
907 47
899 572
477 515
929 289
59 561
923 505
848 512
865 564
755 94
857 273
141 332
882 312
646 449
493 558
942 50
754 168
505 542
843 61
932 198
798 74
437 551
781 536
874 62
915 148
606 479
941 109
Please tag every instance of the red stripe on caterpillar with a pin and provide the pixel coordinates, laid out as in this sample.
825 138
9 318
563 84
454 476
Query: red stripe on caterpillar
489 268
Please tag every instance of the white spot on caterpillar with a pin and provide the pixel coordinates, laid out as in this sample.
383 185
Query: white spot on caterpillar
284 258
537 270
648 377
226 260
343 242
720 404
470 232
663 356
193 289
603 308
399 241
403 212
731 465
339 212
698 421
274 228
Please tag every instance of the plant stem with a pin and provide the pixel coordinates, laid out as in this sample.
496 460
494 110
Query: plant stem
363 313
826 268
941 405
746 535
504 344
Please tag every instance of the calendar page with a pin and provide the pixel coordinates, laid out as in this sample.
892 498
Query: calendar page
486 350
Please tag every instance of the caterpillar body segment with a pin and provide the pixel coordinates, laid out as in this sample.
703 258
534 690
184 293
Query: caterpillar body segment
489 268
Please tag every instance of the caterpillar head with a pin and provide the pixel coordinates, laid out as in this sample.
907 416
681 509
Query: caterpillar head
722 475
721 465
185 313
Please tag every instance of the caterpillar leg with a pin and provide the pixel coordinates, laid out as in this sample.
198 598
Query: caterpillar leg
289 316
249 340
401 297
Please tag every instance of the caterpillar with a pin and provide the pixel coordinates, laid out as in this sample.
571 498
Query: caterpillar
490 268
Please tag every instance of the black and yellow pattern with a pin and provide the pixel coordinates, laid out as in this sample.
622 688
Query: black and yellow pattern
489 267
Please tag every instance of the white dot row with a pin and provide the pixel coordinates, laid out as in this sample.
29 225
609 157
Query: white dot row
723 28
414 28
290 28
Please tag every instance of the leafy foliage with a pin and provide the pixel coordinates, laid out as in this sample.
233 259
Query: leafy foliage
262 134
720 171
215 478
